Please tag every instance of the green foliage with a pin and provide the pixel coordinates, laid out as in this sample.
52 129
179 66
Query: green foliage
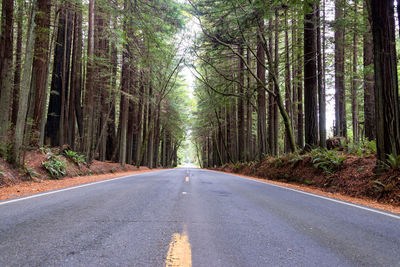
5 151
1 172
74 156
364 148
55 166
295 158
393 162
30 172
327 160
381 187
44 150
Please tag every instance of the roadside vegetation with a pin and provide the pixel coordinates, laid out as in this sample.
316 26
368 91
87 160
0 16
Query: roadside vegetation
349 170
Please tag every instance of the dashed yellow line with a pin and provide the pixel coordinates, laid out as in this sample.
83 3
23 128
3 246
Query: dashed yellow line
179 252
187 179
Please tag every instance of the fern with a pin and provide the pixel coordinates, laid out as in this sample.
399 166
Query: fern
393 161
30 172
327 160
55 166
74 156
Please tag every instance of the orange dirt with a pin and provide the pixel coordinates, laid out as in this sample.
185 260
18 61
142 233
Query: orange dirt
16 183
30 187
310 189
354 181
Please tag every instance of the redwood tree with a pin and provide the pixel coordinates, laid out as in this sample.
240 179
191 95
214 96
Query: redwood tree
6 56
310 77
386 82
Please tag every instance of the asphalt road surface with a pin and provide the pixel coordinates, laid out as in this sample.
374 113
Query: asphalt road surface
212 219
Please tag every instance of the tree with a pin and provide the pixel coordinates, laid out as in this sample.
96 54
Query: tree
6 56
310 77
369 97
25 88
261 108
386 81
340 94
40 62
55 126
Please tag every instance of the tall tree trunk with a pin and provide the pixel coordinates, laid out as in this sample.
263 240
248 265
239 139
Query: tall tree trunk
340 93
25 87
111 141
310 79
386 82
261 108
369 81
294 76
157 137
150 144
249 116
299 85
321 82
76 80
240 108
288 87
275 142
59 84
18 62
140 137
354 82
6 57
40 61
88 120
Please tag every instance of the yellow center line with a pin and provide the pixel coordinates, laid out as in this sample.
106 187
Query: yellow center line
179 252
187 179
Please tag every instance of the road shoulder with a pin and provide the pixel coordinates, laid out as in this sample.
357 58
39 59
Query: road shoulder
317 191
33 187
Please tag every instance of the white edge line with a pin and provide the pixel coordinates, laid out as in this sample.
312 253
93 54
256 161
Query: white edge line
73 187
317 196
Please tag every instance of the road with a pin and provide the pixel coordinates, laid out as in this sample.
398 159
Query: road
208 218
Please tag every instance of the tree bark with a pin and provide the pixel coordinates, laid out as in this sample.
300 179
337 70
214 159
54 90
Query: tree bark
25 88
288 86
6 58
310 78
88 120
40 61
386 81
340 93
59 85
354 82
18 63
240 108
369 81
321 82
261 108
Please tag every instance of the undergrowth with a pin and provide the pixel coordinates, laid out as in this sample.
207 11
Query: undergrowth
362 149
30 172
74 156
327 160
55 166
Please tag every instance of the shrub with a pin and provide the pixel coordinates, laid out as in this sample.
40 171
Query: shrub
327 160
74 156
44 150
363 148
5 151
30 172
393 162
55 166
